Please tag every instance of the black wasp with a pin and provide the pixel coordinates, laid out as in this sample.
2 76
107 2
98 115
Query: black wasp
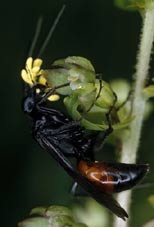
63 138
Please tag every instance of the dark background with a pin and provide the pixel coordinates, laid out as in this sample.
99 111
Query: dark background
94 29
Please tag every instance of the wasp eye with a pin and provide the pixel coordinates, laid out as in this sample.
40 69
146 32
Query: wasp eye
28 105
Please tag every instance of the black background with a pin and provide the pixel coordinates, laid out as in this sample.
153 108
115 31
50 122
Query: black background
93 29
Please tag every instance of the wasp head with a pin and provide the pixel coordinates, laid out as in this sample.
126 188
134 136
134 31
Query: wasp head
34 96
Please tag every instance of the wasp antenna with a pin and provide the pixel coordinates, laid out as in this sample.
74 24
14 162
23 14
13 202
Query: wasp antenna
36 35
51 30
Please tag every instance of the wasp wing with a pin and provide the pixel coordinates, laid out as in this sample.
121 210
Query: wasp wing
104 199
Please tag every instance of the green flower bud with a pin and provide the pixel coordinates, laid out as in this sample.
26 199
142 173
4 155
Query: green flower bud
56 77
106 97
148 92
80 61
33 222
57 216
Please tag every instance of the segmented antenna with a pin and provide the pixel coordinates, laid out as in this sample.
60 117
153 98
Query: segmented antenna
36 35
45 43
48 37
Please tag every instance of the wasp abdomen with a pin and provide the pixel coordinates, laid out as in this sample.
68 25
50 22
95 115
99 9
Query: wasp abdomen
113 177
128 175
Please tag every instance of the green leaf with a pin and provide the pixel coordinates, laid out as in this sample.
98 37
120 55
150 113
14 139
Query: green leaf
133 5
130 5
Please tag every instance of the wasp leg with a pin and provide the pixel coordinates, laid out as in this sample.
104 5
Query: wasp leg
126 100
74 192
99 144
74 188
98 94
51 92
73 134
90 107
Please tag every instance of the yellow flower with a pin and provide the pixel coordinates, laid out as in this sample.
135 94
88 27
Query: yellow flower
32 70
53 98
33 74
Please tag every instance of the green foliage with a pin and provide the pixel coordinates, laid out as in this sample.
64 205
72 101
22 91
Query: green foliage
151 200
130 5
148 92
92 213
33 222
57 216
87 98
133 5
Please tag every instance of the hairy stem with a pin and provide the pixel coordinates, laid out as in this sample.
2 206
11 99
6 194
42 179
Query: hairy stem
130 143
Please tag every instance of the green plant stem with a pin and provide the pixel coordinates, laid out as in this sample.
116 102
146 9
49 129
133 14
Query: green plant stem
130 143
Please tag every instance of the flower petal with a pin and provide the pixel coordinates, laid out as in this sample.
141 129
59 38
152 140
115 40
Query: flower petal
29 63
35 70
37 62
26 77
42 80
53 97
